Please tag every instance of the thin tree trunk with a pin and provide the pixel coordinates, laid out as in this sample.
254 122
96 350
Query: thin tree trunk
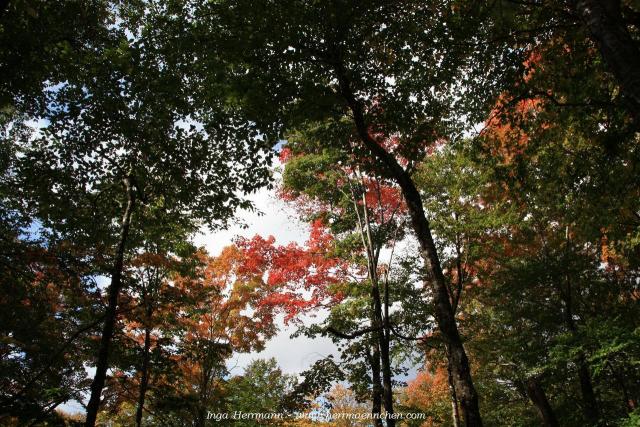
386 333
144 380
457 292
377 321
539 399
387 384
443 309
603 19
376 388
201 410
110 316
455 411
380 323
455 300
590 403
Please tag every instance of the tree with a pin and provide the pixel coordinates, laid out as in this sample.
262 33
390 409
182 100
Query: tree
226 315
113 148
532 203
361 71
365 213
262 388
45 309
565 229
344 404
429 393
205 309
143 348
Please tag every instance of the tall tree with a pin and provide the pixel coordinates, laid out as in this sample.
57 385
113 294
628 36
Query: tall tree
365 211
46 309
365 70
113 149
532 192
226 314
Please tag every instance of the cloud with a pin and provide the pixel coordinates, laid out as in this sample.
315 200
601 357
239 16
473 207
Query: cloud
293 355
272 217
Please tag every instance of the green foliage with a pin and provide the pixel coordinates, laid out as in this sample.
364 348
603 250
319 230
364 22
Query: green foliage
263 388
632 421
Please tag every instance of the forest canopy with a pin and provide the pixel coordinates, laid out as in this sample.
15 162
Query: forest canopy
467 174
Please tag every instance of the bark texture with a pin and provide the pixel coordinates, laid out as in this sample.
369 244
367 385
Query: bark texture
455 411
539 399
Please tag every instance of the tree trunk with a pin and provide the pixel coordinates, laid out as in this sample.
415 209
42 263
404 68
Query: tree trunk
378 322
589 401
201 409
603 19
110 316
539 399
387 384
385 333
381 324
443 309
589 404
144 380
455 411
376 389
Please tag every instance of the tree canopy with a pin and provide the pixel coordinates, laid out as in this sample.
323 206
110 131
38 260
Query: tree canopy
467 173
